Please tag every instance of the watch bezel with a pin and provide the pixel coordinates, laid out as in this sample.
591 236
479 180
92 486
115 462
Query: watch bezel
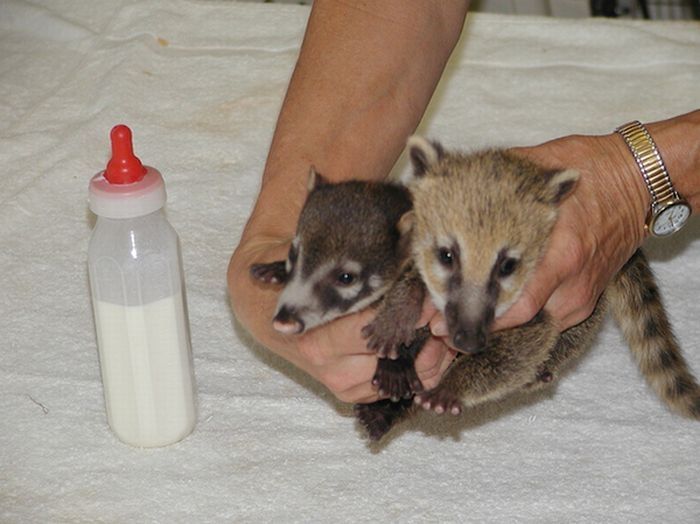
662 209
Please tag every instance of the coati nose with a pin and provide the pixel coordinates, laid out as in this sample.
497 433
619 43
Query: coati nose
287 321
469 341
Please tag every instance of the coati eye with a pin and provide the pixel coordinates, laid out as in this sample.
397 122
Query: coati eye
345 279
445 257
507 266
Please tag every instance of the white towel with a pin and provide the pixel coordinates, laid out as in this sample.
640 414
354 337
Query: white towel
200 84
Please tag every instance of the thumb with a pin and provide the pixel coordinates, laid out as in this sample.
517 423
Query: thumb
429 311
532 299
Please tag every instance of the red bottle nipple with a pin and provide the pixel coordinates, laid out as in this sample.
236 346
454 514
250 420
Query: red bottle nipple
124 167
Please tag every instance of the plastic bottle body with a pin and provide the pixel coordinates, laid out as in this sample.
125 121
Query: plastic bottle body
143 338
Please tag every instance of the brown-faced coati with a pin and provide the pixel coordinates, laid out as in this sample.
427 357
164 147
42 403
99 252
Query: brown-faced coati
478 227
346 254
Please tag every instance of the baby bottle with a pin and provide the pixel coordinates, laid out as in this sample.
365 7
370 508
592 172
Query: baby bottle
138 298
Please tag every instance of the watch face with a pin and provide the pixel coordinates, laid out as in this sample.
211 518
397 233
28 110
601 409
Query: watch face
670 219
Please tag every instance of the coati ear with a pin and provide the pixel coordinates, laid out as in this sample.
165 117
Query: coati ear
405 226
559 185
315 179
424 154
406 223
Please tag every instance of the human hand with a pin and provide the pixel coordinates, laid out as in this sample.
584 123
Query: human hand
599 226
335 354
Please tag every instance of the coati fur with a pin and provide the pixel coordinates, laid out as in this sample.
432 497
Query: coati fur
479 224
346 253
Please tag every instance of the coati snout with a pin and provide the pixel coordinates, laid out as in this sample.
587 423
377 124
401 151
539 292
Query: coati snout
469 331
471 306
288 321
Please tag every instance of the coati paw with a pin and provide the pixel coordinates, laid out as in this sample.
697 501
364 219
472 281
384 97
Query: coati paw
385 338
378 417
270 273
439 401
396 379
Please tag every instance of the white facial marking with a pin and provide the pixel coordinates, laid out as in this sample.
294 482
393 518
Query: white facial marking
508 285
439 301
349 292
298 294
361 304
295 245
375 281
301 295
351 266
502 308
440 271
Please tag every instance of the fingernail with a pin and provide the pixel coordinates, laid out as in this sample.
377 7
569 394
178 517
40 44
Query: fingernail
439 328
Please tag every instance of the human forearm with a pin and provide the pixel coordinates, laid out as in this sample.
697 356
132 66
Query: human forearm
365 74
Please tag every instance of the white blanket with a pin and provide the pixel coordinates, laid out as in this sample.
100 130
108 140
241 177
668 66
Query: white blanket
200 83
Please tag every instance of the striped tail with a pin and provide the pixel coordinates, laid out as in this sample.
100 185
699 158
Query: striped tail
636 304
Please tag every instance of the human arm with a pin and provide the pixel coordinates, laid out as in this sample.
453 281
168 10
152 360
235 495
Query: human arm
364 76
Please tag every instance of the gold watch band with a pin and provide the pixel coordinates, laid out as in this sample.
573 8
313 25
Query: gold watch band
650 163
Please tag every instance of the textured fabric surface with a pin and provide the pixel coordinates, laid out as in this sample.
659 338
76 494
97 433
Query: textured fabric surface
200 84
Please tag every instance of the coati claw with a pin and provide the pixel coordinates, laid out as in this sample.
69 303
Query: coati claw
439 401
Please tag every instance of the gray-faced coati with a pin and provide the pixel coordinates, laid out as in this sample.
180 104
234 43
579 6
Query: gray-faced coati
478 227
346 253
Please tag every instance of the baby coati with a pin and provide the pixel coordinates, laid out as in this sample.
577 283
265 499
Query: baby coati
346 253
478 226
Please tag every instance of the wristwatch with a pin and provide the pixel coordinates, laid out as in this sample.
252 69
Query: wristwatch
669 211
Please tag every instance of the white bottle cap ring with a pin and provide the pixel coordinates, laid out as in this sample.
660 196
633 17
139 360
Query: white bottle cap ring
127 200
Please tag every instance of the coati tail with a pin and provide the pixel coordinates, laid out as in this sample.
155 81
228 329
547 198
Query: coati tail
636 304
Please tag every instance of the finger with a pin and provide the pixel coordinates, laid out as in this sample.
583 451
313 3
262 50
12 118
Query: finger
335 354
350 378
438 326
360 394
432 316
429 311
367 399
343 336
536 293
359 388
571 304
433 361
